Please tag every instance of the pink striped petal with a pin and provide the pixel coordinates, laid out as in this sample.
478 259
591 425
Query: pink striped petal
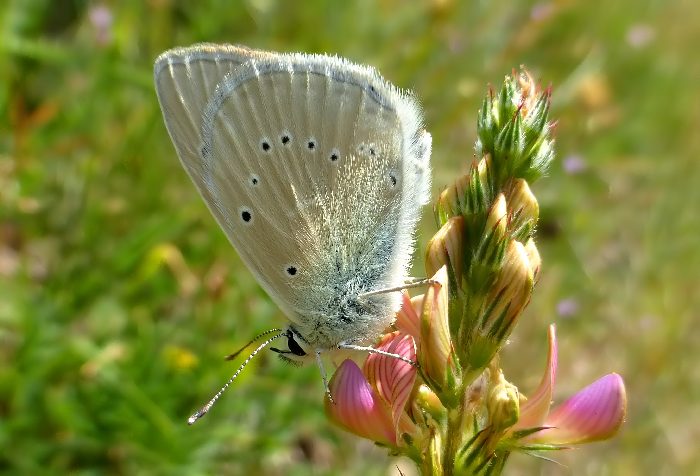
357 408
593 414
393 378
534 411
407 319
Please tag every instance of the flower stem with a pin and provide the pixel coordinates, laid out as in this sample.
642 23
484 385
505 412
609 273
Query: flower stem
453 438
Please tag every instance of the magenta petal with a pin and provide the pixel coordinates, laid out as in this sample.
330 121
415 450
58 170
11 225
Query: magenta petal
534 411
356 407
393 378
595 413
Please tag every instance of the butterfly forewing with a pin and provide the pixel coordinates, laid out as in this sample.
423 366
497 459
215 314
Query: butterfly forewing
314 167
185 80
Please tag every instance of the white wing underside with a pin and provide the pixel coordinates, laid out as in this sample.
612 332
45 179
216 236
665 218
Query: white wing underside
309 194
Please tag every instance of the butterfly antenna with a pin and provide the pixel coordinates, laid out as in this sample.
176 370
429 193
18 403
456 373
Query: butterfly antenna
203 411
263 334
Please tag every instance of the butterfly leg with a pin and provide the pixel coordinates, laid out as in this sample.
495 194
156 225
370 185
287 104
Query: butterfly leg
413 283
323 375
372 350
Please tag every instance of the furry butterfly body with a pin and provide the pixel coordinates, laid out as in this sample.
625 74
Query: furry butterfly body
315 168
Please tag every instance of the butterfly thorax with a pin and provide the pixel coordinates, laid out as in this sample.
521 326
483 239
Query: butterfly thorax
352 320
341 314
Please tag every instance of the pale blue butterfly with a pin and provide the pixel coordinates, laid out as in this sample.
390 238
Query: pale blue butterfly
316 169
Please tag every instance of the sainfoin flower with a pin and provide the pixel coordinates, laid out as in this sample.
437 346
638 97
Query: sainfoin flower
370 402
594 413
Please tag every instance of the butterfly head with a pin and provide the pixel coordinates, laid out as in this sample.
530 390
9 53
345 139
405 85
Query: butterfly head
298 351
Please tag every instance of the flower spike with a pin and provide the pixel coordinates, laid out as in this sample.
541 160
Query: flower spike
456 413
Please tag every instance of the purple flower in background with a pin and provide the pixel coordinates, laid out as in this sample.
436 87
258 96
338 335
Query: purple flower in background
639 36
541 11
101 20
574 164
567 307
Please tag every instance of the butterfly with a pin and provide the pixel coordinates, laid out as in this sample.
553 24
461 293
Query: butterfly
316 169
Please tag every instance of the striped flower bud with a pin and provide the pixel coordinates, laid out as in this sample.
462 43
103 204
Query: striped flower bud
503 404
452 200
510 292
446 248
497 219
533 255
429 402
523 207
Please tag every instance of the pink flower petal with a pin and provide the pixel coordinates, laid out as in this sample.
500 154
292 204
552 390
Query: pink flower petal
534 411
391 377
407 319
594 413
417 303
357 408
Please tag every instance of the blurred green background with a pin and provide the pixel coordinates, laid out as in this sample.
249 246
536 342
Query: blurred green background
119 295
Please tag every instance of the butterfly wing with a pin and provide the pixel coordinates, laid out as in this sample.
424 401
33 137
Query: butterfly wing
314 167
185 79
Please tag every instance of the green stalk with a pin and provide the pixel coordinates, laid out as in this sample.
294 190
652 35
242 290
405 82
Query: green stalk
453 437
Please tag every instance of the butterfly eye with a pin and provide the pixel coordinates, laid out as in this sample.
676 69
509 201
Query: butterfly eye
294 346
